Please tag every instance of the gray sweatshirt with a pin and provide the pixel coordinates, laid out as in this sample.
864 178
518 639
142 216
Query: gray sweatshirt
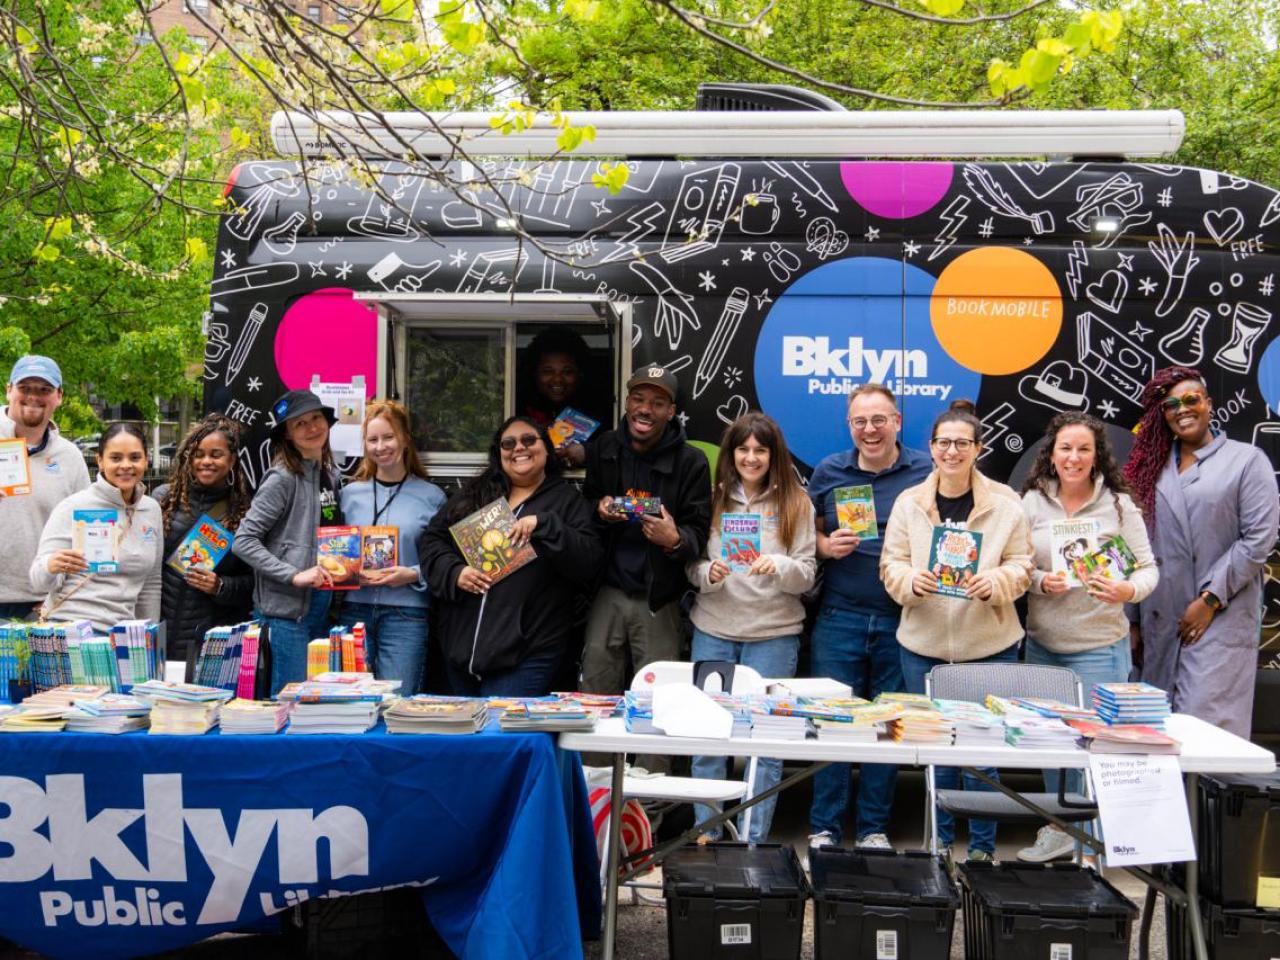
132 593
57 472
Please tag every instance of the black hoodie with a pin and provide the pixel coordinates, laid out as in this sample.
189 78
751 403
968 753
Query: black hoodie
673 471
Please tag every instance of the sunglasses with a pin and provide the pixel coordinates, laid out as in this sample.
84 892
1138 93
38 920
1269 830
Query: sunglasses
1173 404
525 440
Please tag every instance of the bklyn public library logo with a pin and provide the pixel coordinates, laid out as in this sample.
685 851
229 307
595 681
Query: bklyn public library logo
854 321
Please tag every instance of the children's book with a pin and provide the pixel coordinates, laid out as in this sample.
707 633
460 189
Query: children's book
953 559
205 544
1071 541
379 547
93 533
571 426
856 511
1113 559
740 540
636 507
15 471
484 538
338 554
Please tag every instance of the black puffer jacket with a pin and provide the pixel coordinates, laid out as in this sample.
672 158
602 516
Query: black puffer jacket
189 612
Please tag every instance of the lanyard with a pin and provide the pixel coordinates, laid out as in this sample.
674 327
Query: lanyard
377 513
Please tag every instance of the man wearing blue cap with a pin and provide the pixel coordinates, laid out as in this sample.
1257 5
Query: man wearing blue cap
34 392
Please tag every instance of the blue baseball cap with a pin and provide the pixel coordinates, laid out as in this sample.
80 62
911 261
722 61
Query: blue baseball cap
34 365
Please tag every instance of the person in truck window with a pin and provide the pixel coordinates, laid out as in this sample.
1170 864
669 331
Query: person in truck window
556 373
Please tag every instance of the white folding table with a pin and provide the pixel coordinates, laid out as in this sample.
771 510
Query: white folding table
1205 749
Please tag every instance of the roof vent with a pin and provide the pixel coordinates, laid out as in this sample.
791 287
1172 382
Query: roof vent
761 96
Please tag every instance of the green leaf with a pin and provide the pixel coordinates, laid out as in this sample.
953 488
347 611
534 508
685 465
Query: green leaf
612 177
586 10
46 252
944 8
197 251
58 228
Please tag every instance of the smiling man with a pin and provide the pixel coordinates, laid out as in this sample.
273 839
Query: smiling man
34 392
635 618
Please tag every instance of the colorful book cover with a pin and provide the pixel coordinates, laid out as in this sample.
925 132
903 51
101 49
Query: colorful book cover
636 507
15 471
379 547
1070 542
856 511
740 540
571 426
1113 559
953 559
484 540
338 554
93 533
205 544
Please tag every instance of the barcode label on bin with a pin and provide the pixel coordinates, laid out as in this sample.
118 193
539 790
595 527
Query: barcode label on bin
734 933
886 945
1059 951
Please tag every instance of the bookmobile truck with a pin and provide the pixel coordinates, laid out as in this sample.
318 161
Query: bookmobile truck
755 255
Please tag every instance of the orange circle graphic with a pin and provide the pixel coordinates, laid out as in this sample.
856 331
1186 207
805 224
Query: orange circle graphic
996 310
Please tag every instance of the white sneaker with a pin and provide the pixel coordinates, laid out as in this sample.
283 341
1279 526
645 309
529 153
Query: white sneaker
875 841
819 840
1051 844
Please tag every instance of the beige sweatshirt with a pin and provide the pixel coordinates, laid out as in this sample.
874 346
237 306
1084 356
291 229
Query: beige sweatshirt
745 607
1074 622
948 628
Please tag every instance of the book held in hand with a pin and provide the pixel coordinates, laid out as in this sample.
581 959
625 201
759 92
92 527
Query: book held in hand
15 470
634 507
379 547
1070 542
1113 560
571 426
740 540
856 511
953 559
338 554
484 538
94 534
205 544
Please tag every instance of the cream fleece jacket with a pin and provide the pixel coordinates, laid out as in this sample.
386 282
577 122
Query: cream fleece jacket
1074 622
948 628
744 607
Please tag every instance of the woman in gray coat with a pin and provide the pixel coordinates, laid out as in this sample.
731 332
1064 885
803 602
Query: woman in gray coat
1212 507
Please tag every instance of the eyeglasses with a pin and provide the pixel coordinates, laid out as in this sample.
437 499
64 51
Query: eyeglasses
861 423
946 443
1173 404
524 440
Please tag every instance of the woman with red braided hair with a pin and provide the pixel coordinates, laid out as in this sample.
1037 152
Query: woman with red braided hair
1212 507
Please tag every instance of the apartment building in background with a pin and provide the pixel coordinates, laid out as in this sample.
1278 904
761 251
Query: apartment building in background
188 13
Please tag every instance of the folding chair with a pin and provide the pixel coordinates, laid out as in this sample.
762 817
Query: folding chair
973 682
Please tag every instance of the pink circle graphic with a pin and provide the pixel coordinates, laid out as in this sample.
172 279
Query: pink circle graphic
896 191
329 334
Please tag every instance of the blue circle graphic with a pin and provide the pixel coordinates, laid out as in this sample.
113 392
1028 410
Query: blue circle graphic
850 322
1269 375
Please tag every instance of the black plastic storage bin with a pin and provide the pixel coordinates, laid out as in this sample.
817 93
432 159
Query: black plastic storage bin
1229 934
1042 911
386 925
881 905
734 900
1239 836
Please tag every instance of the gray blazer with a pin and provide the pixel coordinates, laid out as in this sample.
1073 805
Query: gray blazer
1214 527
277 537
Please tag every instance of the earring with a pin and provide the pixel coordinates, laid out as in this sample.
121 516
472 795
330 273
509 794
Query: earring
1053 469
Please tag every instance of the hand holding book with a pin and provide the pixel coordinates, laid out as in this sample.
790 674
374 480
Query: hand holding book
66 561
1102 587
840 543
980 587
389 577
523 530
472 580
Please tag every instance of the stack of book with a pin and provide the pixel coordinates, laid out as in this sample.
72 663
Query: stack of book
15 656
545 715
182 708
1131 703
1054 708
923 726
25 719
637 711
66 695
47 642
975 725
600 704
253 716
334 706
427 714
93 660
740 708
139 650
110 713
1124 738
780 726
1034 732
862 723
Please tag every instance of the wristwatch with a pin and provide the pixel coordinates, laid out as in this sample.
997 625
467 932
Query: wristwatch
1211 601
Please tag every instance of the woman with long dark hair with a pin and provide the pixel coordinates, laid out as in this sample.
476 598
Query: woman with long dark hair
512 637
1211 506
1076 495
131 591
754 617
205 481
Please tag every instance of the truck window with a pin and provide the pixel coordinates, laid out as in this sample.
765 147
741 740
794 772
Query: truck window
565 365
455 386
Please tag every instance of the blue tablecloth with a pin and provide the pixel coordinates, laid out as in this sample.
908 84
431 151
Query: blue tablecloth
117 846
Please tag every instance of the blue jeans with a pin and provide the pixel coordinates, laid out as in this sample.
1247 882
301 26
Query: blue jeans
859 649
982 833
18 610
770 658
1109 664
395 643
289 639
532 677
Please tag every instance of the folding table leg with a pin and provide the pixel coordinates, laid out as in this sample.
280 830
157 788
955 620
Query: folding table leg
1144 932
612 854
1193 872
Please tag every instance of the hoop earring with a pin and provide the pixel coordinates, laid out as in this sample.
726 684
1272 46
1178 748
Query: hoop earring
1053 469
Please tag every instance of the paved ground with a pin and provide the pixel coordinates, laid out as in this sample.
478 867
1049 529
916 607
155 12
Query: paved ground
642 929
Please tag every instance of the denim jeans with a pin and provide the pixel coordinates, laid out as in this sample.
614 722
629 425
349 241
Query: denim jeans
17 610
982 833
395 641
1109 664
860 649
289 639
770 658
532 677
